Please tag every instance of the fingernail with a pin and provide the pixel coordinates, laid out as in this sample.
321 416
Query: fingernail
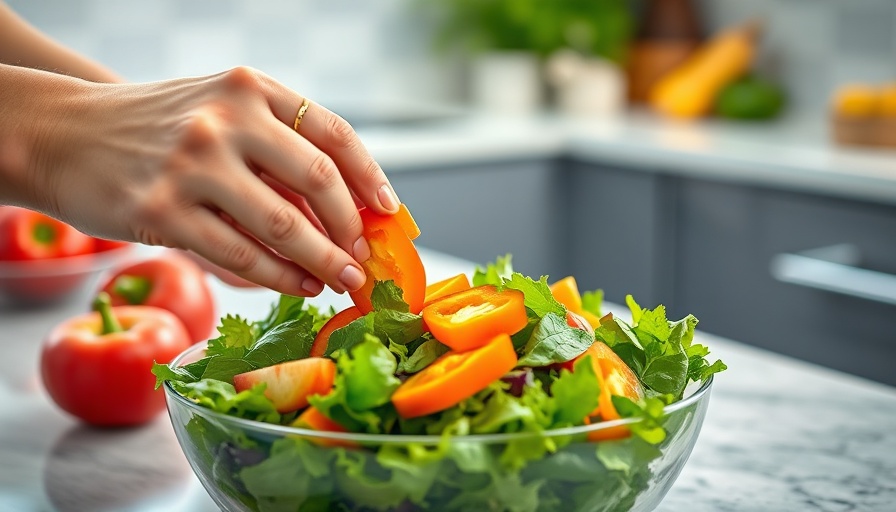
360 250
352 278
387 198
312 285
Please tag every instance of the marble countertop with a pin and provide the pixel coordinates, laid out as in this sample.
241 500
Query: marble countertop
794 154
779 434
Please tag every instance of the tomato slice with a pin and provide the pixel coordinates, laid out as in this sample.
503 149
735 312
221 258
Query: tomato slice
290 384
471 318
392 256
454 377
446 287
341 319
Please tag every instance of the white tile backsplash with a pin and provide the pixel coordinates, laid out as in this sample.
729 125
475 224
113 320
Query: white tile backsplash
381 49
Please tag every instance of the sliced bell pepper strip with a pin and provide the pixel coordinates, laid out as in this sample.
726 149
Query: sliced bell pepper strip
566 291
392 256
407 223
471 318
446 287
341 319
615 378
454 377
312 418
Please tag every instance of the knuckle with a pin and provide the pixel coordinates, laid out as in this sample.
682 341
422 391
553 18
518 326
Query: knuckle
202 131
243 78
329 257
355 225
340 132
372 172
240 256
322 173
283 224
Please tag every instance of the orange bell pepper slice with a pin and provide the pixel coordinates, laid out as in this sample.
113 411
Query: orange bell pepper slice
340 319
407 223
471 318
615 378
566 291
392 257
446 287
454 377
312 418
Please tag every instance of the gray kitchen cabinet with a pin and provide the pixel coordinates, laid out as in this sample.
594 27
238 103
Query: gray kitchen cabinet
479 212
619 236
756 264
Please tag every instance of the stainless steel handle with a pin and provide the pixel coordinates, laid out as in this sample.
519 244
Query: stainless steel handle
834 269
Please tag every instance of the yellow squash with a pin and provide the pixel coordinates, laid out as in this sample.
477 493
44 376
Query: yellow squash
690 90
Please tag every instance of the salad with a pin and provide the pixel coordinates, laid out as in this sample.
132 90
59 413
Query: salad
505 354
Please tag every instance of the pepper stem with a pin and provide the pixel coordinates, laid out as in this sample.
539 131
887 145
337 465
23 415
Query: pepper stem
134 289
103 305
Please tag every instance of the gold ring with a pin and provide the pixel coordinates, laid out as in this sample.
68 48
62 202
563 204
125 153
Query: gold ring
300 114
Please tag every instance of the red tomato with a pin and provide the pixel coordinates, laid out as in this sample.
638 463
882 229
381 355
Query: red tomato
171 282
28 235
103 245
97 366
392 256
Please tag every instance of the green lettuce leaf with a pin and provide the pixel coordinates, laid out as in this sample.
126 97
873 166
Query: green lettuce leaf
593 302
222 397
493 273
538 296
554 341
365 381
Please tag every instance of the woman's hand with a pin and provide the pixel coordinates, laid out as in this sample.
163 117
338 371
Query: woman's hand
211 165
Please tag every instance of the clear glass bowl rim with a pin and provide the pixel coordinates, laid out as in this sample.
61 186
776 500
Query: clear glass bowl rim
426 439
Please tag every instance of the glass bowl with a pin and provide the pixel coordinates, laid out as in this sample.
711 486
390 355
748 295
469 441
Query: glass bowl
250 465
55 279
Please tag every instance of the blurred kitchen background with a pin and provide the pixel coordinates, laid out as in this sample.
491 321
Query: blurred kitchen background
754 187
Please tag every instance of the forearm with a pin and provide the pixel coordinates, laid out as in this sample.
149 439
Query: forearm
23 45
28 100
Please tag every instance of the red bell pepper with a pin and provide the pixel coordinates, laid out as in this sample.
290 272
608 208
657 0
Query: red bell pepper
469 319
171 282
29 235
340 319
97 366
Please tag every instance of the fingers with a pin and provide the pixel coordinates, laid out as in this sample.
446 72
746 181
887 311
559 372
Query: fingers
202 231
303 168
278 224
335 137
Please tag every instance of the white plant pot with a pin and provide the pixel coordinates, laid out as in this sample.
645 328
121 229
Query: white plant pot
506 82
587 87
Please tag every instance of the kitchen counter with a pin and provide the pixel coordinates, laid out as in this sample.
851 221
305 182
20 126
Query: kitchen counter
794 154
779 434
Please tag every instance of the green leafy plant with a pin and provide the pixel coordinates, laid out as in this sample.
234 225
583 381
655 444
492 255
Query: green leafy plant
592 27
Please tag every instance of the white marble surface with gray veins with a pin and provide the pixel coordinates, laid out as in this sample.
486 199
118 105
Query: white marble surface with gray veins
784 435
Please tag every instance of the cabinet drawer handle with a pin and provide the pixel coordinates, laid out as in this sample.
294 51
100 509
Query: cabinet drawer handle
834 269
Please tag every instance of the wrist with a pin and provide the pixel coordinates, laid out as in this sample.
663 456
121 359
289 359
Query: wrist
33 105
